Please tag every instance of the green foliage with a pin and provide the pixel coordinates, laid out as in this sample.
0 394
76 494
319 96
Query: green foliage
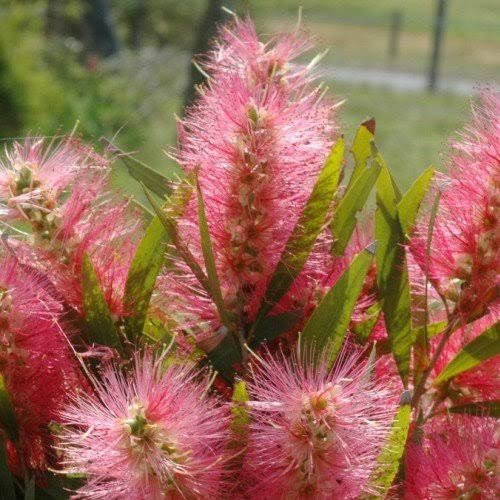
305 232
149 177
326 328
210 266
7 415
26 84
142 275
392 273
410 203
483 347
100 325
344 219
361 148
6 480
389 459
363 330
273 326
241 417
480 408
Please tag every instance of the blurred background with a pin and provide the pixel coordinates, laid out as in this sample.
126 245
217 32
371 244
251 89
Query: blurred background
121 69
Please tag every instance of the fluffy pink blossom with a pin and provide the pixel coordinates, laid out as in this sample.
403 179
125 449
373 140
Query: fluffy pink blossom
152 433
258 135
464 261
61 191
35 361
34 175
457 458
314 432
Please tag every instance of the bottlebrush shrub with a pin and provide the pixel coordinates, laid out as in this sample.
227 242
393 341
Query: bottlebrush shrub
247 337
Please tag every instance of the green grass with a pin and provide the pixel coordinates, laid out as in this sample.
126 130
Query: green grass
357 31
412 129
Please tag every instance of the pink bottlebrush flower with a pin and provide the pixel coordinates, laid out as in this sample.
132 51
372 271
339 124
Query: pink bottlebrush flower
314 432
464 261
70 215
457 458
153 433
35 361
478 384
258 135
34 176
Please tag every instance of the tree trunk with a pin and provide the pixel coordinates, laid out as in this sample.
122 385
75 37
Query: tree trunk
102 36
214 15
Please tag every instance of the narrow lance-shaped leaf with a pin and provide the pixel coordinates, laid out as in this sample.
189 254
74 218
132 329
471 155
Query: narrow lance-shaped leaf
410 203
480 408
273 326
170 226
483 347
389 459
146 175
7 491
7 415
392 272
142 275
326 328
363 329
240 413
210 266
225 354
362 148
305 232
100 326
344 218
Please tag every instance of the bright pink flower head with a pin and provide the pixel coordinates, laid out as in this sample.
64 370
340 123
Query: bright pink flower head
153 433
259 135
62 195
34 175
314 432
35 361
457 459
464 260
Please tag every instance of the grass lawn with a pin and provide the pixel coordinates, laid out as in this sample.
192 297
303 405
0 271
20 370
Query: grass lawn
411 129
356 32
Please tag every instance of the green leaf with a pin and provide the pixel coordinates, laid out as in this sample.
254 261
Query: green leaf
480 408
389 458
210 266
362 148
305 232
483 347
432 330
272 327
170 226
239 411
344 218
7 491
142 275
146 175
7 414
101 327
392 272
326 328
29 489
225 355
410 203
362 330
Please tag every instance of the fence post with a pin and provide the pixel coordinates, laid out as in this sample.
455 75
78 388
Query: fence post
394 34
439 24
